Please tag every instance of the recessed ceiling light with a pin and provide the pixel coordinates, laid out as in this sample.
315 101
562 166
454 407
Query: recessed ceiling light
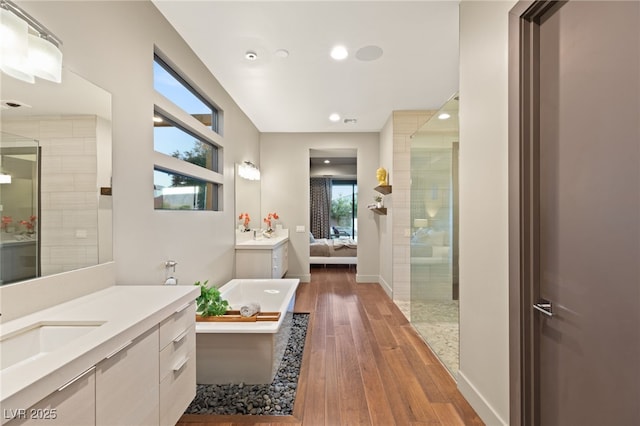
327 161
444 116
350 120
339 53
334 117
157 119
282 53
251 55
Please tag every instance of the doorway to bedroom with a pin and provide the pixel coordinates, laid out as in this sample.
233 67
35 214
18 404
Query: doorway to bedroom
333 207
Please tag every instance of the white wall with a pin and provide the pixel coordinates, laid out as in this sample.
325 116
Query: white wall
387 252
285 189
484 340
111 44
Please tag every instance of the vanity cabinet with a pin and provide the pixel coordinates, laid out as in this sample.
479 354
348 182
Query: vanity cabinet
72 404
127 384
177 364
263 261
133 369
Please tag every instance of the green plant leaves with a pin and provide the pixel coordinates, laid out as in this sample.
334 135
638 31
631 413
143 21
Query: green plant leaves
210 303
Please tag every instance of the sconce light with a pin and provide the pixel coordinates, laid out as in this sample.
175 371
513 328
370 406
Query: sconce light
249 171
27 48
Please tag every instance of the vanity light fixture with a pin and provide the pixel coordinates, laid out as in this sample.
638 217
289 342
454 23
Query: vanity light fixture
27 48
248 170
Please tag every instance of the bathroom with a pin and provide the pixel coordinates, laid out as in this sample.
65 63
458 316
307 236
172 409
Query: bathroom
142 239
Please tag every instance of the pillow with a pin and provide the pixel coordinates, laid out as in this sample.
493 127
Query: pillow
311 238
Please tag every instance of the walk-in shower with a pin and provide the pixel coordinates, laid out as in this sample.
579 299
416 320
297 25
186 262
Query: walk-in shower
434 233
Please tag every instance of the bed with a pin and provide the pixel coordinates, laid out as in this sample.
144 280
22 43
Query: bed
333 251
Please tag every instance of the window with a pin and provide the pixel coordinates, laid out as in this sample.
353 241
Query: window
173 191
344 209
171 139
175 88
181 143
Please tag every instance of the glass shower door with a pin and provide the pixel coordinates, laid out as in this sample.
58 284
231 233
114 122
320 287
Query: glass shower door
19 205
434 240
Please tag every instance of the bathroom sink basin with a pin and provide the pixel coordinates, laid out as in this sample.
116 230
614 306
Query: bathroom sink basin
39 339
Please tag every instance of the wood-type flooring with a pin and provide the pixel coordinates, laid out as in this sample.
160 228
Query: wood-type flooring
363 364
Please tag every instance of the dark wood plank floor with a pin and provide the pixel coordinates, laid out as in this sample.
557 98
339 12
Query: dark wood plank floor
363 364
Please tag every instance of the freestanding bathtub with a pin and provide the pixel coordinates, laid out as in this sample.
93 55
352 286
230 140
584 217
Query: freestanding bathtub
246 352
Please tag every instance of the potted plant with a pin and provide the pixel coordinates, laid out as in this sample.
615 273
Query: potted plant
210 303
378 199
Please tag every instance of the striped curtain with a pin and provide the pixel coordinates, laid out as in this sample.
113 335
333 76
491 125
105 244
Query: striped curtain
320 207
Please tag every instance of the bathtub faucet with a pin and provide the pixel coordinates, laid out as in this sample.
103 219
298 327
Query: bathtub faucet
169 278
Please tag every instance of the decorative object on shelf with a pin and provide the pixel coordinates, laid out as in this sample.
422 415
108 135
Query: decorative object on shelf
209 303
28 49
381 175
249 171
244 217
378 199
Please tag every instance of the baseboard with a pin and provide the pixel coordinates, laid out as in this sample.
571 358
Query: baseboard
477 401
304 278
366 278
386 287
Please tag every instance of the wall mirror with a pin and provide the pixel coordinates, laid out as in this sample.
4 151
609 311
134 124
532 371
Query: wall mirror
247 200
55 159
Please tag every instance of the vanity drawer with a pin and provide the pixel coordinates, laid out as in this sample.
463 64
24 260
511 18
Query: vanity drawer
177 323
177 390
172 355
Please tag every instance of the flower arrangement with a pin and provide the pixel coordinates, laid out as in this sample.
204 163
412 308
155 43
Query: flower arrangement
246 219
6 221
269 218
29 224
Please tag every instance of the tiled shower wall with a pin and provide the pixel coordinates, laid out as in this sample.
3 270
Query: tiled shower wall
405 124
69 193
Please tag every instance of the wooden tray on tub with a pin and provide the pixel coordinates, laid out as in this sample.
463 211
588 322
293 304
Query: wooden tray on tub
234 316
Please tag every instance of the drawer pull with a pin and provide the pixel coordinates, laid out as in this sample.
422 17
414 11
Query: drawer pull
183 307
112 354
181 336
181 364
75 379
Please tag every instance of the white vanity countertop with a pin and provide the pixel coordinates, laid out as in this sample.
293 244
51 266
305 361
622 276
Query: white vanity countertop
262 243
125 313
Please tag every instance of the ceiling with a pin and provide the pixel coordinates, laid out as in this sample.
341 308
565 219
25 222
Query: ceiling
417 70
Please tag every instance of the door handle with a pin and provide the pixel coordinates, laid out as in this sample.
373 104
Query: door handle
544 306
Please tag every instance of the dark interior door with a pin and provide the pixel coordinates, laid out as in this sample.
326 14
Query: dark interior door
587 354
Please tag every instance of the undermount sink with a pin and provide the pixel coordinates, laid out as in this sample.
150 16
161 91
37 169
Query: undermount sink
39 339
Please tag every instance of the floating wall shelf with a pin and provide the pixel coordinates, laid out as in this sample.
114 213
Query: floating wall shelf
383 189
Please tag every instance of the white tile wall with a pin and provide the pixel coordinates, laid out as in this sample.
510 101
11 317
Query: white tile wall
405 123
